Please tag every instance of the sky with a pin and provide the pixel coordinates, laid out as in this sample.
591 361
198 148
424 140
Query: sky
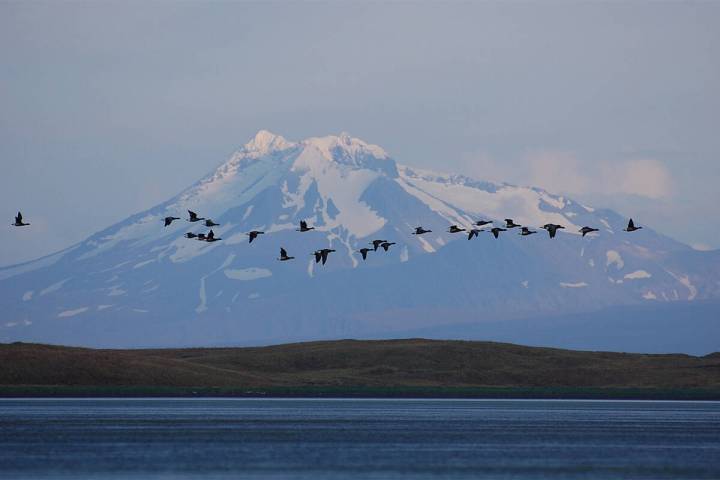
107 109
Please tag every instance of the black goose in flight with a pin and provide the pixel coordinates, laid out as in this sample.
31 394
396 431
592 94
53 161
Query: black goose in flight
586 230
210 237
19 222
482 223
194 217
284 256
496 231
420 231
253 235
321 256
377 243
631 226
364 252
210 223
510 224
386 245
525 231
455 229
190 235
304 227
474 233
552 228
169 220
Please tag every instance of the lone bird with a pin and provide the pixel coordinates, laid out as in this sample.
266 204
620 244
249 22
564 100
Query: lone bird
474 233
364 252
630 228
194 217
510 224
210 223
455 229
496 231
586 230
190 235
253 235
482 223
377 243
525 231
552 228
387 245
284 256
322 255
304 227
420 231
169 220
210 237
19 222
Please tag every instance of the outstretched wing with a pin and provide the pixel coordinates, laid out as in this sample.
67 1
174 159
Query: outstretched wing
168 221
364 254
303 224
210 235
192 214
631 224
18 219
283 253
552 231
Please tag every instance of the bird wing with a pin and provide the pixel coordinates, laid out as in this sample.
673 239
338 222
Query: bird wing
283 253
364 254
631 224
210 235
495 233
552 231
303 224
18 219
167 221
324 255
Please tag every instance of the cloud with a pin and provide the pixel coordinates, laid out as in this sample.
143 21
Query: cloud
563 172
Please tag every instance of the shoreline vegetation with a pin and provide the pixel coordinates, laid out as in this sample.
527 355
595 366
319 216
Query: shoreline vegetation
408 368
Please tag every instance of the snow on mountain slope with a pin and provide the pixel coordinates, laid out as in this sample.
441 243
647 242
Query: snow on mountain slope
139 283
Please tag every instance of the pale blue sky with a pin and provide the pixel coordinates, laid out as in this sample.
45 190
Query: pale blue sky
109 108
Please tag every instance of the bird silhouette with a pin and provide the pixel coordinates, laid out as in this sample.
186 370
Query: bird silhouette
190 235
169 220
284 256
253 235
19 222
194 217
455 229
321 256
210 237
510 224
586 230
364 252
386 245
200 237
552 228
304 227
496 231
525 231
377 243
474 233
210 223
420 231
482 223
631 226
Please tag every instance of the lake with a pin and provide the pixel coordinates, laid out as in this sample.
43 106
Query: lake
352 438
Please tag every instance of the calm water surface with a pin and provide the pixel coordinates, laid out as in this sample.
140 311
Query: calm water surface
321 439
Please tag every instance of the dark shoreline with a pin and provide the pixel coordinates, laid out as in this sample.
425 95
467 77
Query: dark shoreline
537 393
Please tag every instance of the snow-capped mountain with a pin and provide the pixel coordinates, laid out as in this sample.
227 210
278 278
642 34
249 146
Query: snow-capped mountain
140 283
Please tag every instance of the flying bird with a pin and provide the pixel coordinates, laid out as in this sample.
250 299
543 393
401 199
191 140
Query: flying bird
510 224
19 222
420 231
210 237
455 229
190 235
284 256
194 217
201 237
253 235
631 226
496 231
304 227
364 252
322 255
387 245
525 231
586 230
482 223
210 223
169 220
377 243
474 233
552 228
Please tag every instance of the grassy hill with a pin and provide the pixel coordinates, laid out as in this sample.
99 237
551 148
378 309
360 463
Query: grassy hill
413 367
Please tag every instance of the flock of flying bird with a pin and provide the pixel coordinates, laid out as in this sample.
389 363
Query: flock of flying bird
321 255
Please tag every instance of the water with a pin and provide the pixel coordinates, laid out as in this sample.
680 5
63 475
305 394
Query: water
322 439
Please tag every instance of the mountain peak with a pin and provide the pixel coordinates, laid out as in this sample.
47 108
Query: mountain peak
265 142
346 144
